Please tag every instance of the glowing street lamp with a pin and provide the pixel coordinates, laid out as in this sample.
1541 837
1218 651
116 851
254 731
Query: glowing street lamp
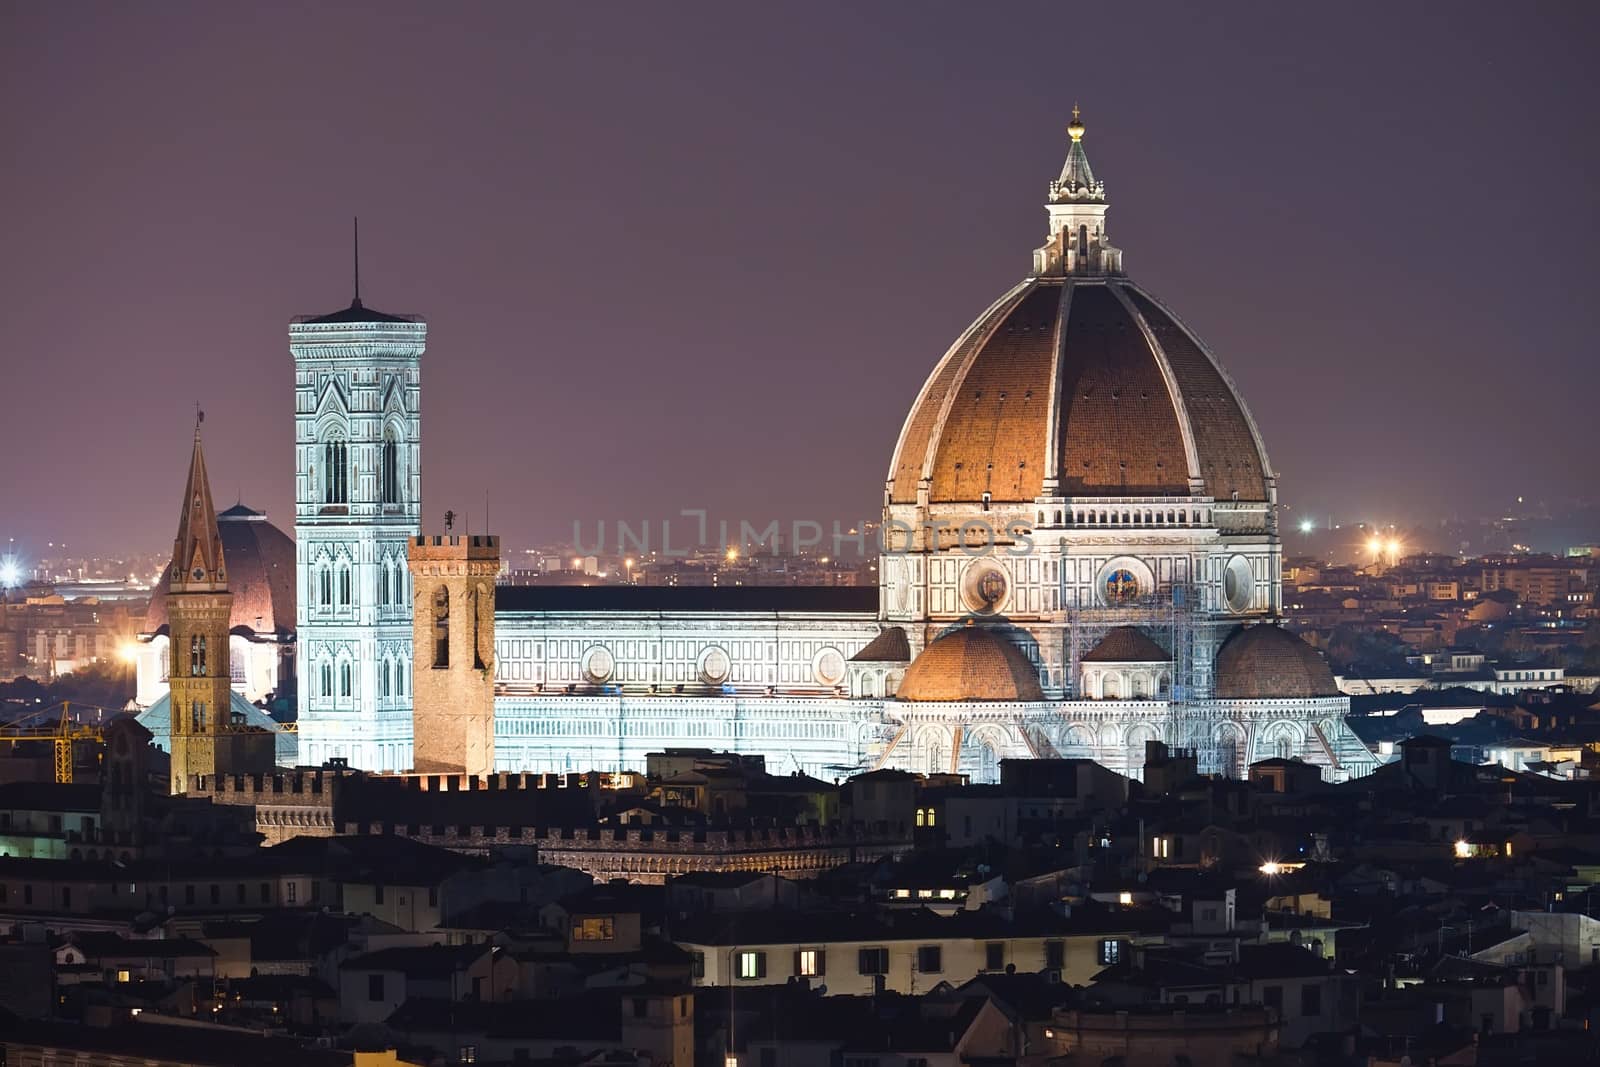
1307 525
10 572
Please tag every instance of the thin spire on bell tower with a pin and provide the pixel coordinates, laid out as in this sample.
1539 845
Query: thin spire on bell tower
355 228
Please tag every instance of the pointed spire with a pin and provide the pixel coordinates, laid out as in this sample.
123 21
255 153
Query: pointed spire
1077 179
197 564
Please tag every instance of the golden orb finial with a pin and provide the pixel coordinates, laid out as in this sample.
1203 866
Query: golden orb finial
1075 127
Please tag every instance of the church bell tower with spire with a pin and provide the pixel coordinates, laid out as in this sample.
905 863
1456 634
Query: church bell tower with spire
358 502
198 608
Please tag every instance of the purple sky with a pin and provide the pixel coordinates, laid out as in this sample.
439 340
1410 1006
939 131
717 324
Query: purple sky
696 255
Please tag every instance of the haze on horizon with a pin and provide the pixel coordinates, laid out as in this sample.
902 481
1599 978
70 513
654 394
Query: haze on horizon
705 256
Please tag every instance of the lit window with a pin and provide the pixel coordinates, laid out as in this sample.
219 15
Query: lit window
1110 952
124 976
752 965
598 928
809 963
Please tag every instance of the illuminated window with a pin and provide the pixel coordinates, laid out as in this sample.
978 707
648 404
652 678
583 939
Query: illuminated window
810 963
335 472
932 817
597 928
752 965
1110 952
124 976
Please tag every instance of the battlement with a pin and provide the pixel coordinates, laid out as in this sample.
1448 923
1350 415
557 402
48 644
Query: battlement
454 547
288 787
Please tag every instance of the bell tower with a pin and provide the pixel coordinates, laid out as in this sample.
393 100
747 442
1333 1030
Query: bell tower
358 499
198 608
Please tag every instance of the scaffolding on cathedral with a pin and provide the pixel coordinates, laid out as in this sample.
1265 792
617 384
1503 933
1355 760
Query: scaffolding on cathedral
1169 612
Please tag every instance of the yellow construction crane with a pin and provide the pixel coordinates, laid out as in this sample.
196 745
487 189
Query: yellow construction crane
61 734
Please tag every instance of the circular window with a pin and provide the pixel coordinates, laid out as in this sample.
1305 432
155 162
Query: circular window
828 666
1124 580
984 587
715 666
598 664
1122 585
1238 584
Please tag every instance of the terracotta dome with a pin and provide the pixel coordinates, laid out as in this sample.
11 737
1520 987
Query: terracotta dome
261 575
1124 644
1132 386
1269 663
972 663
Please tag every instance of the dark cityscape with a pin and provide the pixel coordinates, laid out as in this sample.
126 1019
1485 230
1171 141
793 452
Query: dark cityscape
1207 691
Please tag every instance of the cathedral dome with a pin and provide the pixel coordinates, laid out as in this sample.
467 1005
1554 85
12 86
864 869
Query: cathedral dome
1267 662
261 575
1077 383
972 663
1077 388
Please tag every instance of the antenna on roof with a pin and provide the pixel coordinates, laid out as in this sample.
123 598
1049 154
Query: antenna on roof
355 226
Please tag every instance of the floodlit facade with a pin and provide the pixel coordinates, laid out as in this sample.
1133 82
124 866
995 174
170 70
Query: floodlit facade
1081 555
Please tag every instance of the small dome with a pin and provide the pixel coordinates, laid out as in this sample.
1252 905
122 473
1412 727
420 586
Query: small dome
890 646
1270 663
972 663
1124 644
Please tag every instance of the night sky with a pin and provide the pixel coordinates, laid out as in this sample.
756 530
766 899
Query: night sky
696 255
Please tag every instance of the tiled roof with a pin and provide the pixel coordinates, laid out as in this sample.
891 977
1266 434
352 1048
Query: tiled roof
675 599
1268 662
890 646
972 663
1119 427
1124 644
356 313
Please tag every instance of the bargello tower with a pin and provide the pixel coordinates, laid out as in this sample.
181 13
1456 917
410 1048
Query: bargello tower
358 494
453 581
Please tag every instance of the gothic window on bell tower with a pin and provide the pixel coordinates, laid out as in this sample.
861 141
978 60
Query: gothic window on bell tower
389 468
325 587
335 471
344 679
197 656
383 584
326 674
344 585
